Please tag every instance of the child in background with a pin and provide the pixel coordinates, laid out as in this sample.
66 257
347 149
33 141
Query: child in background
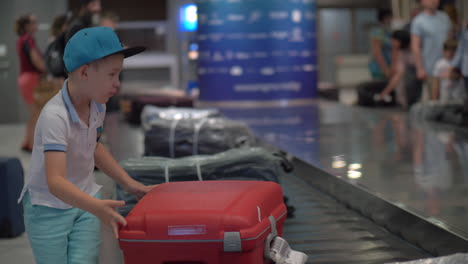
448 85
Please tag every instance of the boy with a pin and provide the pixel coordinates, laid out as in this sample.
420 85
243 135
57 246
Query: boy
61 201
449 85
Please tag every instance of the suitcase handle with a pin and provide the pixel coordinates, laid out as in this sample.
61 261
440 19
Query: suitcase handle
278 250
270 237
281 253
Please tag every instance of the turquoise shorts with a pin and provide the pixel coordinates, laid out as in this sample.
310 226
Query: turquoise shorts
69 236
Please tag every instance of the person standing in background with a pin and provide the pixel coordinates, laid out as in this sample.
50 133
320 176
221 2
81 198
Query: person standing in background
381 47
429 31
109 19
59 26
54 51
31 66
460 61
88 16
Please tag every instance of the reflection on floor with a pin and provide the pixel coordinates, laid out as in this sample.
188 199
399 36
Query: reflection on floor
420 167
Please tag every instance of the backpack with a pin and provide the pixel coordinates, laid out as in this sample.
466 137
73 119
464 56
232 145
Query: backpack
54 57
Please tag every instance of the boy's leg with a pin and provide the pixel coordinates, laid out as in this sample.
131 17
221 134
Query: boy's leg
85 239
48 230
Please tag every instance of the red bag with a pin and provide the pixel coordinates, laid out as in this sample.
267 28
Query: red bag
207 222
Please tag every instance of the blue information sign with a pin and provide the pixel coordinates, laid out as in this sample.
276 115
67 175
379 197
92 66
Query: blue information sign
257 50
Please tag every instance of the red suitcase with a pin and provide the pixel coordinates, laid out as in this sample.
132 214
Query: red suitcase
207 222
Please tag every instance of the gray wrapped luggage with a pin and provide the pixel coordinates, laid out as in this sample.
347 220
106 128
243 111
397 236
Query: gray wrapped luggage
452 113
187 137
236 164
151 113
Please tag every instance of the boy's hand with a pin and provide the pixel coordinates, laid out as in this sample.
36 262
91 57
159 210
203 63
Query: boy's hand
138 190
105 211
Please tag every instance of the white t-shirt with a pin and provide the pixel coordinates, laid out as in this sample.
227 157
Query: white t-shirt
59 128
450 90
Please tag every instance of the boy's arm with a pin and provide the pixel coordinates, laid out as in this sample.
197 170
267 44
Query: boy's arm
105 162
59 186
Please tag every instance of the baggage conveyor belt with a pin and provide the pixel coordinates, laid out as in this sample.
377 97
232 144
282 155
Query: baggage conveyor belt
336 222
331 231
328 232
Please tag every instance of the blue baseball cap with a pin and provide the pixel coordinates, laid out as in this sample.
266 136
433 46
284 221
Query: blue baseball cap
90 44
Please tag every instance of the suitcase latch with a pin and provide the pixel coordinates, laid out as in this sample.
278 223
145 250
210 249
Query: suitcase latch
232 242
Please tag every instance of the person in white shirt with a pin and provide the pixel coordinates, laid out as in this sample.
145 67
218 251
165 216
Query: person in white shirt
62 205
448 85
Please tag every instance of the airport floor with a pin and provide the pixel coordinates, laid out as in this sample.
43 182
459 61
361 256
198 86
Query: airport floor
421 168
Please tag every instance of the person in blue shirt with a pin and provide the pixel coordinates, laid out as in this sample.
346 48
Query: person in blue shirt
381 47
429 31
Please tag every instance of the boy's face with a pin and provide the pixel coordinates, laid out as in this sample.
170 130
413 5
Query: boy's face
103 78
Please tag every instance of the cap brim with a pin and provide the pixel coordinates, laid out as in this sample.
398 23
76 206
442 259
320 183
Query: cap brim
128 52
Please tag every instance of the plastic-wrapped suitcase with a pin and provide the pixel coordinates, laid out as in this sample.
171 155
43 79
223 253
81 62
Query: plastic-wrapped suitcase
11 184
187 137
209 222
367 91
132 105
151 113
446 113
255 164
